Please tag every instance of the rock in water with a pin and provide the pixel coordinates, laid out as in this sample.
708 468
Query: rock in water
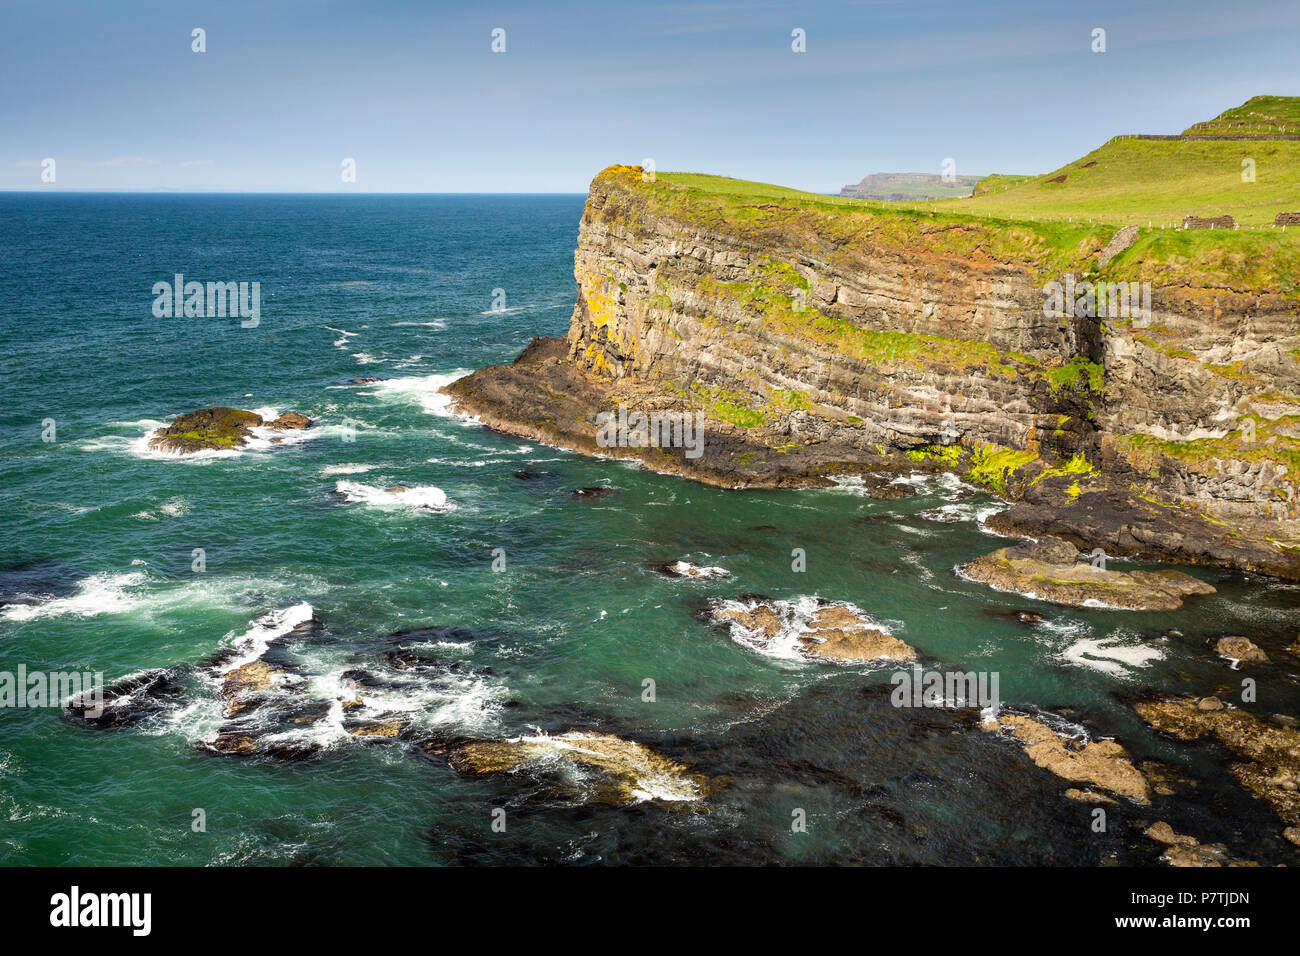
1240 649
685 569
1048 570
130 700
630 772
825 630
291 420
218 429
1101 763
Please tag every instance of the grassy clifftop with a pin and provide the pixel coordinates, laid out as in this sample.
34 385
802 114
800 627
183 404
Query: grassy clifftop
1246 260
1142 181
1160 181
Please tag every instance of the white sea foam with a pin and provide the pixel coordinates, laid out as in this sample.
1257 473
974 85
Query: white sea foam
687 570
252 644
423 389
409 496
346 469
342 341
1116 654
172 508
104 593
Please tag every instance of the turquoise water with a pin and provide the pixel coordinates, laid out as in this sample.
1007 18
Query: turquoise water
99 536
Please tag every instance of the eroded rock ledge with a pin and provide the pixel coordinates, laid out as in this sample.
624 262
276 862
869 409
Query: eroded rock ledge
1049 570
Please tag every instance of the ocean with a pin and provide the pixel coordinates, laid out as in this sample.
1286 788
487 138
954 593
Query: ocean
533 610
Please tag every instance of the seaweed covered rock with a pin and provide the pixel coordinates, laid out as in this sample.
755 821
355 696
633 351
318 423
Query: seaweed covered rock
218 429
1240 649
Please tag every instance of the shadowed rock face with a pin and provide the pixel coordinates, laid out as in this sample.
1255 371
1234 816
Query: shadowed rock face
826 341
219 429
1049 570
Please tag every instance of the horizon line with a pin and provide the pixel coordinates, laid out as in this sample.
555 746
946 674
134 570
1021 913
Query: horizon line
267 192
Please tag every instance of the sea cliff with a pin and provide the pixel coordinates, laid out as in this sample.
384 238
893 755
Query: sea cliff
824 337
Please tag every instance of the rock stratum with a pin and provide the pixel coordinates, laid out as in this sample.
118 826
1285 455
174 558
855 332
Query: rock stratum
819 340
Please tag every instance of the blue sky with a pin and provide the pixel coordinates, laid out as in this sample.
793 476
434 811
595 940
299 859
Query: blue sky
411 90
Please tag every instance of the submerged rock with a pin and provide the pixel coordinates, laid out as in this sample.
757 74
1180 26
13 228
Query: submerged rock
818 628
1099 763
1049 570
595 491
628 772
385 729
218 429
1271 750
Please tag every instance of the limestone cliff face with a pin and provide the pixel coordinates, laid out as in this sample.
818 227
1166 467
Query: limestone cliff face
889 340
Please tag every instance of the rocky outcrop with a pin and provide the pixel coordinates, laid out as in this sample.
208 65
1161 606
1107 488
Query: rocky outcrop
1049 570
1118 243
1240 649
819 339
219 429
685 569
1099 763
813 628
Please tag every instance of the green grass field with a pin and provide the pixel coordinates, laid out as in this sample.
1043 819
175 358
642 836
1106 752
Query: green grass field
1153 181
1126 180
